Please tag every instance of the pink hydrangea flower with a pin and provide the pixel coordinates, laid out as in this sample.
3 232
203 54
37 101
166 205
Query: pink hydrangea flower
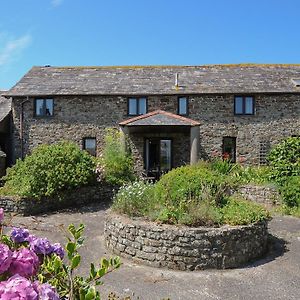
46 291
1 215
24 262
5 258
17 288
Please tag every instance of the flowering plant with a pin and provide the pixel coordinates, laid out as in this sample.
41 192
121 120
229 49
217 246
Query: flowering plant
31 268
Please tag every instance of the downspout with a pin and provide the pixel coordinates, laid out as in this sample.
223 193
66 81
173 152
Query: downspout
22 126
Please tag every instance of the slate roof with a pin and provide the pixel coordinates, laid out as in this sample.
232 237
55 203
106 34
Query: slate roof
147 80
159 118
5 106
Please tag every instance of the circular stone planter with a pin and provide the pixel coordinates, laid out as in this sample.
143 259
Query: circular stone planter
184 248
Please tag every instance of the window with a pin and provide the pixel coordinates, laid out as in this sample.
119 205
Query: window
89 144
264 149
183 106
137 106
229 148
43 107
243 105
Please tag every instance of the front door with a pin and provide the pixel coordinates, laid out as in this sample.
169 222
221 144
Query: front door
158 156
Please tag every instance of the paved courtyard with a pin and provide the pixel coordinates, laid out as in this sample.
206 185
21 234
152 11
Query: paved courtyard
276 276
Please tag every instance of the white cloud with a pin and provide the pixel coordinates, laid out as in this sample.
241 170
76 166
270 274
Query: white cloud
56 3
12 48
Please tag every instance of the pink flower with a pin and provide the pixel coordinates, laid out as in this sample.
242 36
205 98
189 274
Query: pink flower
45 291
17 288
1 215
5 258
24 262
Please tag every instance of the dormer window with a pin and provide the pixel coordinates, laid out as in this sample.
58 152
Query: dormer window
244 105
137 106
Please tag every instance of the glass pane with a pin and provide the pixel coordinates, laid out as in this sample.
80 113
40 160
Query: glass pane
165 155
49 107
238 105
132 106
182 106
249 108
39 107
90 146
142 106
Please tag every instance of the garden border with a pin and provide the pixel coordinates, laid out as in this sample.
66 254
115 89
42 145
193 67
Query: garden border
75 198
184 248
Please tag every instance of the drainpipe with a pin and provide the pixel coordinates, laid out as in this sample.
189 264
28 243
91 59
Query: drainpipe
22 125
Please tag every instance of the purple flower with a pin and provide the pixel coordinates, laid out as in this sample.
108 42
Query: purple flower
46 291
5 258
58 250
18 288
19 235
1 215
41 246
31 238
24 262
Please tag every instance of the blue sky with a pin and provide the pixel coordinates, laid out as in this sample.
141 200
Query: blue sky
145 32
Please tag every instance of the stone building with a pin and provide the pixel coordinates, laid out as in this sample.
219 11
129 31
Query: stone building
173 115
5 133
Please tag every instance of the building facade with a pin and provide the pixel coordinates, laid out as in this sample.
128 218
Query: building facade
171 115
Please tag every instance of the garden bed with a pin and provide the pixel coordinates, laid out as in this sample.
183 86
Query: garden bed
75 199
263 194
182 247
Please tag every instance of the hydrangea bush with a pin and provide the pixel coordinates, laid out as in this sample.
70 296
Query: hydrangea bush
32 268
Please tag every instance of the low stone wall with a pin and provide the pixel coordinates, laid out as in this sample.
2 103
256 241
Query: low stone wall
267 195
184 248
76 198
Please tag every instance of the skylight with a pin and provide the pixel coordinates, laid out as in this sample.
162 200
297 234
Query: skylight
296 82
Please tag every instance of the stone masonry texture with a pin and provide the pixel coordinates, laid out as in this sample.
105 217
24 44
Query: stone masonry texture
75 199
184 248
75 117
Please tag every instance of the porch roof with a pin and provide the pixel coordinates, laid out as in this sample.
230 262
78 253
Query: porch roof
159 118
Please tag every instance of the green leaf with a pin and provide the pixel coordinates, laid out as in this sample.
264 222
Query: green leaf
71 247
104 263
75 261
93 271
91 294
101 272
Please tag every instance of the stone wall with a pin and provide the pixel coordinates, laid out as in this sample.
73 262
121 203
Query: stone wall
75 199
184 248
262 194
75 117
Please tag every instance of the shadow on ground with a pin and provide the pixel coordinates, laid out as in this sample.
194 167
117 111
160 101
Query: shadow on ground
276 248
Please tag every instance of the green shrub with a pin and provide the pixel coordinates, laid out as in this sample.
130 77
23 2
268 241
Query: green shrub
116 161
290 191
189 183
190 195
200 213
221 166
49 170
284 159
251 174
134 199
242 212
